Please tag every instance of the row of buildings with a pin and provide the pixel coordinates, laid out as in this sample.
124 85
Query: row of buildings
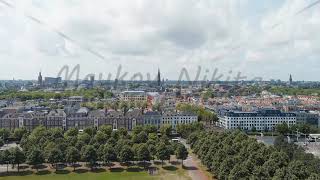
83 118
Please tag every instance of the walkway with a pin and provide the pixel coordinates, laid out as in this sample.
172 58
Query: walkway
191 165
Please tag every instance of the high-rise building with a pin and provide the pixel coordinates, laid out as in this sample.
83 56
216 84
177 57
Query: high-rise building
40 79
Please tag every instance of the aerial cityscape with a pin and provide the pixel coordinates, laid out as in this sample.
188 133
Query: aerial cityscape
174 90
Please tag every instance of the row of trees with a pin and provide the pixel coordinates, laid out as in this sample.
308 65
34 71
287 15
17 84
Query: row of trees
94 147
294 91
29 95
234 155
302 128
16 134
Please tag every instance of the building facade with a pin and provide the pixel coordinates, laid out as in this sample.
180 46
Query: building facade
133 96
262 120
175 118
83 118
152 118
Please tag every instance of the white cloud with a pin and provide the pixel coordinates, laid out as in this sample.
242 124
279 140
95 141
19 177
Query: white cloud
143 35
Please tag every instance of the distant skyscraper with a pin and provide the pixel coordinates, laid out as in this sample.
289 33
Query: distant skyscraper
290 79
159 78
40 79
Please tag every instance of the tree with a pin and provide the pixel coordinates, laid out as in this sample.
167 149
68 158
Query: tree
55 156
166 130
150 129
142 137
106 129
18 157
90 131
6 158
143 153
122 132
153 151
90 155
181 152
100 138
35 157
239 172
4 134
72 156
85 138
124 107
298 169
19 133
109 154
126 154
137 129
72 132
163 152
1 142
282 128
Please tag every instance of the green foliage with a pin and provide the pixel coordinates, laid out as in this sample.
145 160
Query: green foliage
207 94
18 157
234 155
203 114
4 133
72 132
282 128
106 129
109 154
1 142
90 155
30 95
19 133
186 129
294 91
166 130
142 137
126 154
181 152
58 146
35 157
143 153
55 156
163 152
72 155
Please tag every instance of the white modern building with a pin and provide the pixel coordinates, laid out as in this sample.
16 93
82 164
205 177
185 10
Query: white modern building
175 118
262 120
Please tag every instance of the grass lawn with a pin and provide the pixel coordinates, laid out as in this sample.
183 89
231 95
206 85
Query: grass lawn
85 176
165 173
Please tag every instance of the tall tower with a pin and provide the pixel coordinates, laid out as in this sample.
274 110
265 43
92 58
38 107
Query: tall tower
40 79
290 79
159 78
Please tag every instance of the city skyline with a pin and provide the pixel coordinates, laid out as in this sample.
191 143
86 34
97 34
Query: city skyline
237 36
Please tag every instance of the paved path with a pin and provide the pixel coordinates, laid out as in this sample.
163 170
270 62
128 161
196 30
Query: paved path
193 169
192 166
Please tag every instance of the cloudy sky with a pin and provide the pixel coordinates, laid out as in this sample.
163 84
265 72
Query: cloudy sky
268 39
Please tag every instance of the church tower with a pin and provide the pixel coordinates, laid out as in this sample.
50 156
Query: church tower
159 78
290 79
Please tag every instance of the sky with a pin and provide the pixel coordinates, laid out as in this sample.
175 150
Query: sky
266 39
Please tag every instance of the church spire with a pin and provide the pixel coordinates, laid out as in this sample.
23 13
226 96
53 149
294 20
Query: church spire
159 78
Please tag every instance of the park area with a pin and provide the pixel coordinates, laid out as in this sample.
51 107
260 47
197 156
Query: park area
167 172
